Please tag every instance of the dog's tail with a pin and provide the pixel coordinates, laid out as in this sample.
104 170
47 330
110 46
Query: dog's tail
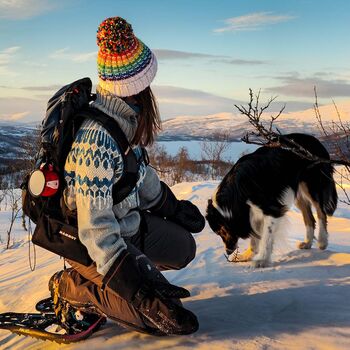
328 192
322 187
318 176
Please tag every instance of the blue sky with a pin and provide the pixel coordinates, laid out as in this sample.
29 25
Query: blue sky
210 52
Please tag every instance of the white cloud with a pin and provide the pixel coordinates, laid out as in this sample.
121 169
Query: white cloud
28 109
79 57
294 85
14 116
7 56
35 64
21 9
53 87
174 101
5 71
253 21
164 54
11 50
84 57
170 55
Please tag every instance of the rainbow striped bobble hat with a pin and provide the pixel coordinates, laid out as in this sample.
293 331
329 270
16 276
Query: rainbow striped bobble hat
126 66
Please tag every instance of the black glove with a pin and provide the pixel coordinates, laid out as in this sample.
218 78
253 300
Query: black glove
188 216
182 212
151 298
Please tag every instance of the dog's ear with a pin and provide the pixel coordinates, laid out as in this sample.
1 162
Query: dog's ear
213 217
210 212
209 207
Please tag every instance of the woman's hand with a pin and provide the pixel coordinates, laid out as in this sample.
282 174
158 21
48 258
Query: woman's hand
188 216
182 212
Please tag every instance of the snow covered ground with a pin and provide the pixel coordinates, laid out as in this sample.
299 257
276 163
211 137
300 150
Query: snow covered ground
301 302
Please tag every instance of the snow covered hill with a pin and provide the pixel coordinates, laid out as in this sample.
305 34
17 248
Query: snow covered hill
208 126
301 302
195 127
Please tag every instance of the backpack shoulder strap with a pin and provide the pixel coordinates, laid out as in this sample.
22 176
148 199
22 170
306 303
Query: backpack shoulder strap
129 178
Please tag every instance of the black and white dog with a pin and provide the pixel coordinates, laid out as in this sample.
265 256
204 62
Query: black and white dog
253 198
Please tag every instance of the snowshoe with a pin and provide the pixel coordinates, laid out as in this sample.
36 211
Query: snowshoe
44 326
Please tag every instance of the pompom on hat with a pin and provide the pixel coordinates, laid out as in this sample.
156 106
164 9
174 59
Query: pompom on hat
126 66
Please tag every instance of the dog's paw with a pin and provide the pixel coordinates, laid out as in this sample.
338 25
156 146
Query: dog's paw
243 258
304 245
322 245
258 263
247 255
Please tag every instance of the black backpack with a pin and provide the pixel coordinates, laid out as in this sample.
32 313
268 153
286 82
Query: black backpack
56 227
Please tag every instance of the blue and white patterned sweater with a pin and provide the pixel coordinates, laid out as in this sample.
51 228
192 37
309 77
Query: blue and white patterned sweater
93 165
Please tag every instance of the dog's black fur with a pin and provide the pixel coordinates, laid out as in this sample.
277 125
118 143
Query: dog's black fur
262 178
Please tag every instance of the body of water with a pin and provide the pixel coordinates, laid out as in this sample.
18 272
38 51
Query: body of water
234 151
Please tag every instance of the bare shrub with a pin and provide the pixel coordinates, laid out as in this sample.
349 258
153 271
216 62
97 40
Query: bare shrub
213 152
158 156
31 145
14 200
180 168
336 137
13 170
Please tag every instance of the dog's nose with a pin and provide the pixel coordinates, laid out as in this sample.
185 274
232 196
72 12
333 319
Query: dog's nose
229 251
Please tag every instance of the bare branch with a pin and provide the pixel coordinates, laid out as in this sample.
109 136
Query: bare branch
318 114
268 135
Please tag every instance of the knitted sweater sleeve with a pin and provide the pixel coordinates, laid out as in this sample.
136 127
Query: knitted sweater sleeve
97 161
150 191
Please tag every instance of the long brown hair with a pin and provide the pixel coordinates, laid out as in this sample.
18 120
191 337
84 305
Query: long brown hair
149 122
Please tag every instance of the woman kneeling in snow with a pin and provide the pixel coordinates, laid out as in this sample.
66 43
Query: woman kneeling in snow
131 241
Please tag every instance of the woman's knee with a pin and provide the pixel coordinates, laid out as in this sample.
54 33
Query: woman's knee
167 244
188 252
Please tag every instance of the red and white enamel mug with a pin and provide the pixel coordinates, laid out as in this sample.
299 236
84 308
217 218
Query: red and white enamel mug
44 181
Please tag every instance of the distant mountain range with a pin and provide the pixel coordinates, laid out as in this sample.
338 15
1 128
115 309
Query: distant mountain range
13 136
236 125
213 126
